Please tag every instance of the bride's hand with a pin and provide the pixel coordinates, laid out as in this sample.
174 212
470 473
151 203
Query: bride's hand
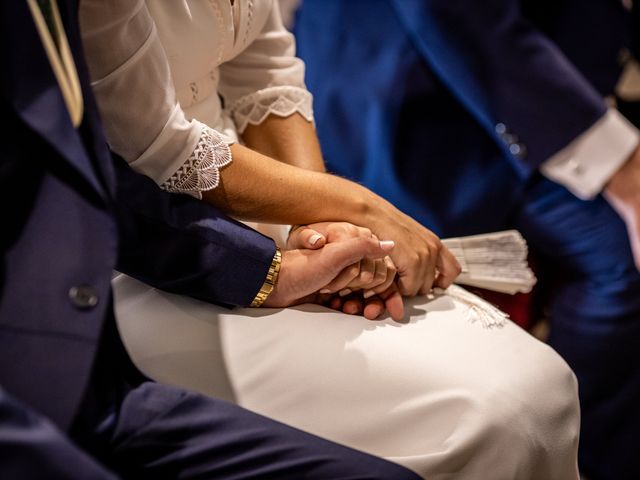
422 260
373 276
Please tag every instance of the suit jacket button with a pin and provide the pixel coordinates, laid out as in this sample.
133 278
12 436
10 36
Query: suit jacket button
83 296
501 129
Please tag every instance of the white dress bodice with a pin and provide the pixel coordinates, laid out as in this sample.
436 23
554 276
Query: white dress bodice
177 80
198 36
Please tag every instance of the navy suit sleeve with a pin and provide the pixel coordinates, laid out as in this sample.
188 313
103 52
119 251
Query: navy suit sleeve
505 71
183 245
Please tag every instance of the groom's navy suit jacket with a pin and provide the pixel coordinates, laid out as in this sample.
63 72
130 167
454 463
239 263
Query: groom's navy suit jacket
408 94
67 223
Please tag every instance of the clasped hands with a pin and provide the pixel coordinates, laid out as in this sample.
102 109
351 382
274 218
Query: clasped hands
348 268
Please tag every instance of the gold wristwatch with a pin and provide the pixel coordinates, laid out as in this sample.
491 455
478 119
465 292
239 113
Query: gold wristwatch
271 280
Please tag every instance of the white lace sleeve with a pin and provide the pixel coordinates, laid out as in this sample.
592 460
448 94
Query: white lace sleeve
282 101
144 121
201 171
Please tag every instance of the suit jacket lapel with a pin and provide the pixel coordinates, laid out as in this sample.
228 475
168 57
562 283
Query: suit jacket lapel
30 86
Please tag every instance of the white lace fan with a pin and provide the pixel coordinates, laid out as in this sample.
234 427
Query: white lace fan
494 261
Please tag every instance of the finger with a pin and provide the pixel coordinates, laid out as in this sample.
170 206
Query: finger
434 249
336 303
417 269
373 308
388 271
448 268
341 282
393 303
429 274
366 275
306 237
409 279
380 275
339 255
353 306
343 230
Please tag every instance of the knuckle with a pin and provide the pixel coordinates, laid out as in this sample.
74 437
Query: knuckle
351 230
366 277
365 232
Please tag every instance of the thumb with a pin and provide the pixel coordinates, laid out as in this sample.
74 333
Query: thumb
305 237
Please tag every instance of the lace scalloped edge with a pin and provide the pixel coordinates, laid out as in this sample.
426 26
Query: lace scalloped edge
282 101
201 171
477 309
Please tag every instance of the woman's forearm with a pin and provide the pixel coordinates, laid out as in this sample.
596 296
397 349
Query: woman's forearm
291 140
278 178
258 188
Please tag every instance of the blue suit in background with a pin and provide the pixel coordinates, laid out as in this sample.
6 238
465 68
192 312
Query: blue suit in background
447 108
72 405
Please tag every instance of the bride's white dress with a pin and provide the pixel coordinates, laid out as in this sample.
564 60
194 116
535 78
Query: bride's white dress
447 397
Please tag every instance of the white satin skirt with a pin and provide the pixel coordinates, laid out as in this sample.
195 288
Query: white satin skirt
440 394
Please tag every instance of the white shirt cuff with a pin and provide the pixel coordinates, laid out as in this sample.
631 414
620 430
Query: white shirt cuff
586 164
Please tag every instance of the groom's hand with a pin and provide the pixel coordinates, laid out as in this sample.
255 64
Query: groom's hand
371 307
304 272
372 276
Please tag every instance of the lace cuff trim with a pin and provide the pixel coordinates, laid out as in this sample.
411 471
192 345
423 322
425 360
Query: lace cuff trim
281 101
201 171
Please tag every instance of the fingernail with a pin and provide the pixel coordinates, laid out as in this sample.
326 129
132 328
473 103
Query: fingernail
344 293
368 294
387 245
325 290
314 238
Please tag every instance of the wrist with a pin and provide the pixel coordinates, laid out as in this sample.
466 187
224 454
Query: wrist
270 281
361 205
287 290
